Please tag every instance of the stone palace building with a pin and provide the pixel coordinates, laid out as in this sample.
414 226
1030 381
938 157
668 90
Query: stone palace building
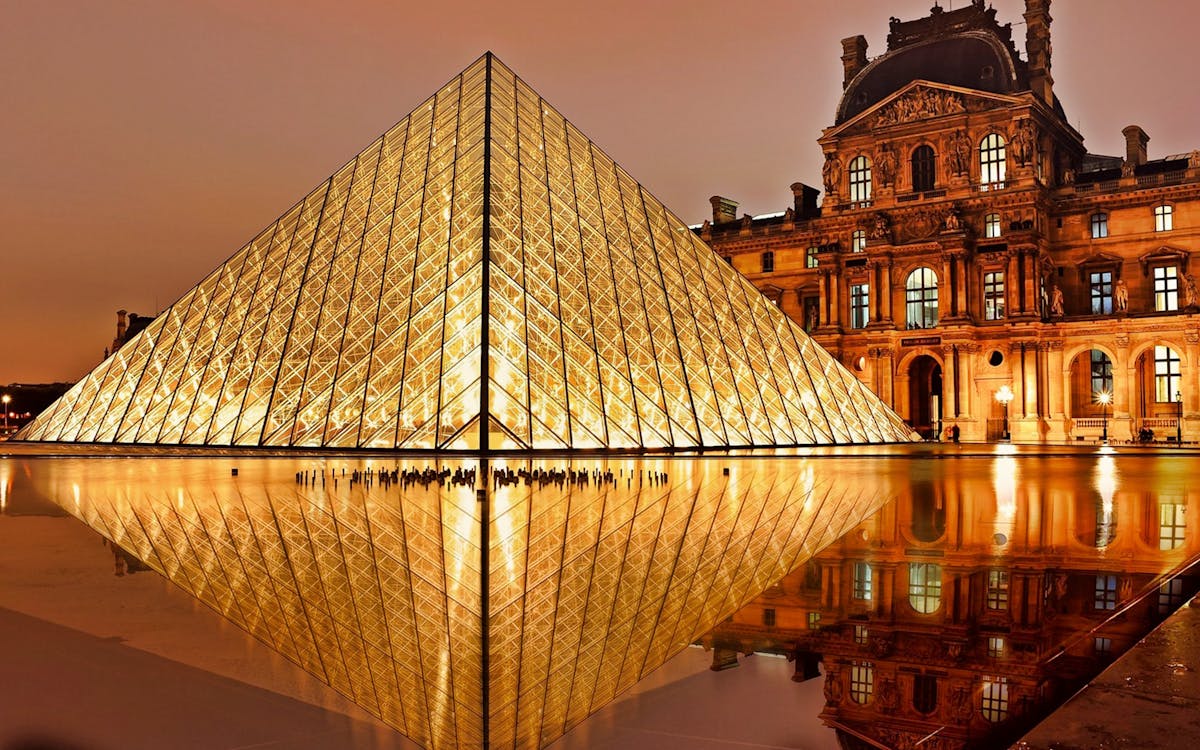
971 261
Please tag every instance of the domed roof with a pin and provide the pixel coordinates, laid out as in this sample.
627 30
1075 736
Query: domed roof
970 59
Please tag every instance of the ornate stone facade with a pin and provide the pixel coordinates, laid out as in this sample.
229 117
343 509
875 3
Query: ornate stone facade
982 231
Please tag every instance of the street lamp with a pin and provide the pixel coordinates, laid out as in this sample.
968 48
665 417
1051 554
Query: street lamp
1004 396
1178 417
1104 398
6 399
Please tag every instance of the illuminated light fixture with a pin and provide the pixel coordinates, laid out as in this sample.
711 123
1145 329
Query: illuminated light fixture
1005 396
504 284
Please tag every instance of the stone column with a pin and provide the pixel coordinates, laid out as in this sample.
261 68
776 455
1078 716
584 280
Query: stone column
888 291
1031 381
1055 401
823 280
1190 372
951 400
1124 383
887 380
964 302
947 285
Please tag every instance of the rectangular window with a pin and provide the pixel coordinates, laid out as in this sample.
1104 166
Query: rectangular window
997 590
1101 368
1101 285
858 241
1106 592
861 634
769 618
1103 646
863 584
1099 225
991 226
860 306
993 295
862 681
1170 596
810 258
1170 525
1164 220
768 262
814 620
1166 374
995 646
1166 288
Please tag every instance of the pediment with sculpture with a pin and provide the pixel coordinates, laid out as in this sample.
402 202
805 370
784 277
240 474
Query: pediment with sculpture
921 100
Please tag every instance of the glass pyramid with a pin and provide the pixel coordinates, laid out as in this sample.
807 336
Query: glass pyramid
482 276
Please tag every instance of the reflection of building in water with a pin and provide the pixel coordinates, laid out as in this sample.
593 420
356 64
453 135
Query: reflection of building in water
968 241
970 611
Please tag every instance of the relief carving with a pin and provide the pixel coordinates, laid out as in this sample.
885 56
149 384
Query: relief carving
1024 141
922 103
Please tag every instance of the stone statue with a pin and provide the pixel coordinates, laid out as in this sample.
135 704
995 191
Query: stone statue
1023 142
960 704
888 696
960 153
831 172
1121 296
885 164
952 222
833 688
1056 302
1189 291
1068 176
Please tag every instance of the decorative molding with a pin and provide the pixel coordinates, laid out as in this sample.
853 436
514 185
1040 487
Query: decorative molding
920 104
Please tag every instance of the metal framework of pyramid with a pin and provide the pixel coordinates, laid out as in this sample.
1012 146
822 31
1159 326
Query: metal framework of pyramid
482 257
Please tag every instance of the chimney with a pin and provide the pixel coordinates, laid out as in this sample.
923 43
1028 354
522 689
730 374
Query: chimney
805 201
723 209
1135 145
854 57
1037 47
121 326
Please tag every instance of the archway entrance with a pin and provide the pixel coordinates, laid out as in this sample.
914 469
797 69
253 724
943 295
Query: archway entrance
925 396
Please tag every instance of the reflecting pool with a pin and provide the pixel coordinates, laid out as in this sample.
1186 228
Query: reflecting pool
943 596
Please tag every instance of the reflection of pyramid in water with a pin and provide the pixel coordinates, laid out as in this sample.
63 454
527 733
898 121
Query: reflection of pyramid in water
362 316
380 591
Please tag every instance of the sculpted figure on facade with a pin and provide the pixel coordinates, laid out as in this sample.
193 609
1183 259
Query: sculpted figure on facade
1056 302
960 153
1023 142
952 222
880 227
888 696
833 688
831 173
885 164
1121 296
1189 291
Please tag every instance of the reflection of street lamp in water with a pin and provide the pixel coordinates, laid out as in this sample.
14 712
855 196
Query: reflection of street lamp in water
1104 398
1004 396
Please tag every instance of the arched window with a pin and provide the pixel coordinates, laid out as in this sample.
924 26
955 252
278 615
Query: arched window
993 163
921 294
860 179
924 168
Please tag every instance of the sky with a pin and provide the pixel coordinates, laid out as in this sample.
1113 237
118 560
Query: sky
143 142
